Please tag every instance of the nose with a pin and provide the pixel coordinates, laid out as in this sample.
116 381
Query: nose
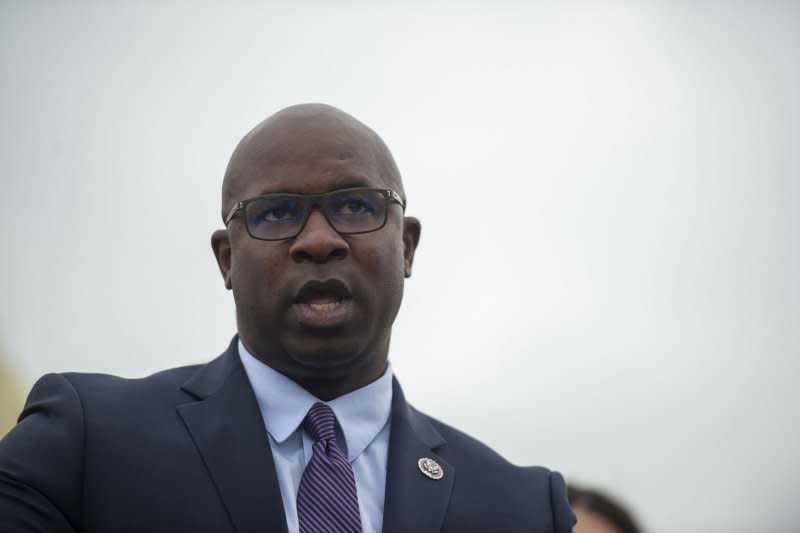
318 242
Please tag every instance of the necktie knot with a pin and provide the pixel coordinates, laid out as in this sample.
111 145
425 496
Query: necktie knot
319 422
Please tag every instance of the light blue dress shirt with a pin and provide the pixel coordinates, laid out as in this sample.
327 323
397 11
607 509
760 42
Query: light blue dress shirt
362 429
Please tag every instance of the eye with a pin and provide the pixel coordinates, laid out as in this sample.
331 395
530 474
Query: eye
354 205
275 211
273 215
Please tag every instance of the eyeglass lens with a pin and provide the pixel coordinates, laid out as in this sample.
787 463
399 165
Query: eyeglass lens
283 216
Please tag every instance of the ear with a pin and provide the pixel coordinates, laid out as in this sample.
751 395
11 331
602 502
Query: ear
221 245
411 231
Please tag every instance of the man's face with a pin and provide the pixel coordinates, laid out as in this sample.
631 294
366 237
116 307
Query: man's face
320 305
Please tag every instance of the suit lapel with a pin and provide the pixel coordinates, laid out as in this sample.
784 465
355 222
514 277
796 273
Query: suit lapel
414 502
227 428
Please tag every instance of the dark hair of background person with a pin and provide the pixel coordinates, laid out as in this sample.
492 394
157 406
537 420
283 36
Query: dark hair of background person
601 504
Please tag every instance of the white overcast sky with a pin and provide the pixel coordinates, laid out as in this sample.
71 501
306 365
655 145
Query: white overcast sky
608 281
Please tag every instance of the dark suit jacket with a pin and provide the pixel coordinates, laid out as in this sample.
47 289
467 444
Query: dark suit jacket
186 450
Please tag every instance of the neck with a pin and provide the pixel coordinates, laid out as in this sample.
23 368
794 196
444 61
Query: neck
329 383
327 388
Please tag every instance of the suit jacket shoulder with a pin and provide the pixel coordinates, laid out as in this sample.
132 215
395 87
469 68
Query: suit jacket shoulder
485 492
181 450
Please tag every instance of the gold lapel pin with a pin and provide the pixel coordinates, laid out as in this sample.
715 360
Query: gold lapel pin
430 468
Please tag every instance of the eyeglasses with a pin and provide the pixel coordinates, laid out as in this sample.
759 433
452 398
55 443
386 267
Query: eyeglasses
275 217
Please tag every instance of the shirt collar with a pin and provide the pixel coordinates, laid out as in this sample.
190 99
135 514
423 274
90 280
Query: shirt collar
361 414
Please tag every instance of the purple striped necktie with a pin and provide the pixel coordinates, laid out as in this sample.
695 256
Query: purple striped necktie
326 500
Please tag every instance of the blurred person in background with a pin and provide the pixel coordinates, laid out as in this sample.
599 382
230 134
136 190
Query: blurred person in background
599 513
11 396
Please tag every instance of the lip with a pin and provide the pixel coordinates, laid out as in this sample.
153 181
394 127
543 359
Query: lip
334 287
330 314
324 318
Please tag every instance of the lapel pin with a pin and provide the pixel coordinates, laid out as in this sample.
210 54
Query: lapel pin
430 468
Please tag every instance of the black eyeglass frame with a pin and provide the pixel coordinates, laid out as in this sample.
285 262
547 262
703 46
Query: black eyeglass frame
314 202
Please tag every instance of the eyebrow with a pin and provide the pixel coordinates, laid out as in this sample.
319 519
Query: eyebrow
347 182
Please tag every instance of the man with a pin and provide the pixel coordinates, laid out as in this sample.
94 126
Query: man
299 425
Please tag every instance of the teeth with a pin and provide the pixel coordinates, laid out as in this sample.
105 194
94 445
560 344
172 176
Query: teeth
330 306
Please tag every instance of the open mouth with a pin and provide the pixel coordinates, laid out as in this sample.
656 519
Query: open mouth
322 304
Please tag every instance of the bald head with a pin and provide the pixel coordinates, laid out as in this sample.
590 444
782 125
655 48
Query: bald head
303 135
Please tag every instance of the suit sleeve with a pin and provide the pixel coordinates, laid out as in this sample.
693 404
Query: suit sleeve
41 461
563 517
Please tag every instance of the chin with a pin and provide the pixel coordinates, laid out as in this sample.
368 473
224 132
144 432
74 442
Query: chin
326 358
